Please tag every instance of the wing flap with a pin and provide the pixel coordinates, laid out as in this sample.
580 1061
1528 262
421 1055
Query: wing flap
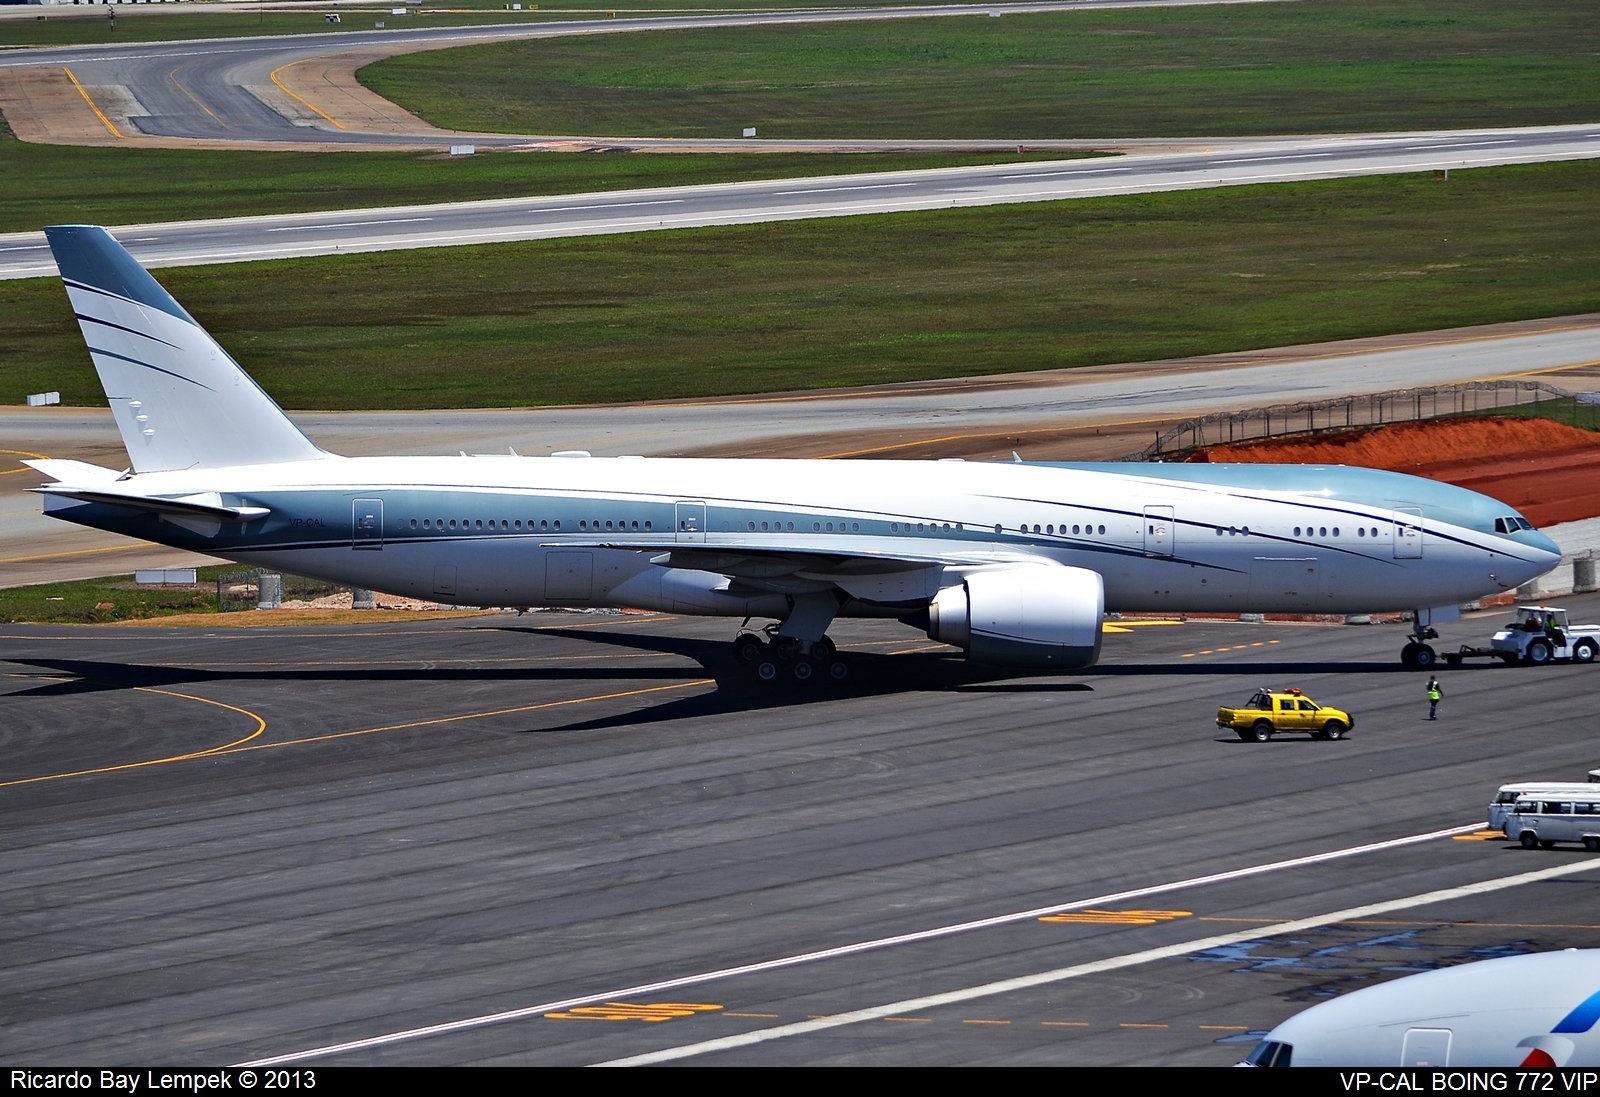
858 566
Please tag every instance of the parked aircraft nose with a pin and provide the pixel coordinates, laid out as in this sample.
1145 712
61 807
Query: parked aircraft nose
1544 542
1546 553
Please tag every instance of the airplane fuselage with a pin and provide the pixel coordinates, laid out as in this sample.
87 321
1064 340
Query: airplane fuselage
507 530
1015 563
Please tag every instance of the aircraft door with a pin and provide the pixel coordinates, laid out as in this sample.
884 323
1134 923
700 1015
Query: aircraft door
1426 1047
1408 534
690 525
366 524
1158 530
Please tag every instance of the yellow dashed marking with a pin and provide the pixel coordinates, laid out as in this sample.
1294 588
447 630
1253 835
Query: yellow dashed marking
173 76
653 1012
1118 917
1232 647
285 89
129 547
98 113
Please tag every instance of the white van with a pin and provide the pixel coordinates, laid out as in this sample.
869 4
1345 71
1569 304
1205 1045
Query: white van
1543 821
1500 806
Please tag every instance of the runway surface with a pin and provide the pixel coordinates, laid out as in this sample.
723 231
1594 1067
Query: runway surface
563 839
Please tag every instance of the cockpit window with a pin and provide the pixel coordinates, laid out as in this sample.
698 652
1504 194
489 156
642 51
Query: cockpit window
1269 1053
1511 523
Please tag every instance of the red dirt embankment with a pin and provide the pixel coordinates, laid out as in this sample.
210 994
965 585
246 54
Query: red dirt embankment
1548 471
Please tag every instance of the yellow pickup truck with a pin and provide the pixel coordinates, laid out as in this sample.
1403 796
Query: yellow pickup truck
1270 711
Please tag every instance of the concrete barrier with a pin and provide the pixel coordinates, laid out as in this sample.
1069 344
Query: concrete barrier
269 593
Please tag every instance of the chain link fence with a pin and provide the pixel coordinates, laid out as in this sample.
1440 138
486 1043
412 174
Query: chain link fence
1534 399
255 587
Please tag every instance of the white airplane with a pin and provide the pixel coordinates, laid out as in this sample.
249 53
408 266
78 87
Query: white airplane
1014 562
1534 1011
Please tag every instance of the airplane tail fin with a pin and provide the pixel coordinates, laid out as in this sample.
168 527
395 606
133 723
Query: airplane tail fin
179 400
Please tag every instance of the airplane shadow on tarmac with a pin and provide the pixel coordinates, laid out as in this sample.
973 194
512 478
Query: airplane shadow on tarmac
737 690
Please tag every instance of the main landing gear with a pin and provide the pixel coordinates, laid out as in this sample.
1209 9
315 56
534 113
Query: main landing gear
1417 654
771 657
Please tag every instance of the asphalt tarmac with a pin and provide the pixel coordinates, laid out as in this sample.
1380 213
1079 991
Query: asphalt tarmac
572 839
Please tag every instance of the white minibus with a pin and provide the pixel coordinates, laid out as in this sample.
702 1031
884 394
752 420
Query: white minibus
1543 821
1500 806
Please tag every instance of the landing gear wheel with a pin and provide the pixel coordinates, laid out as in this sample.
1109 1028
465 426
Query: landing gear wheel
766 670
1262 731
748 648
803 670
838 670
1415 656
823 650
785 647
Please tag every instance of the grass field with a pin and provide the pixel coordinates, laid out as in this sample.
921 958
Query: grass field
851 301
1240 69
1248 69
119 598
892 298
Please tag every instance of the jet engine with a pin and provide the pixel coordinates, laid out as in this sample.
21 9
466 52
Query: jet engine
1022 615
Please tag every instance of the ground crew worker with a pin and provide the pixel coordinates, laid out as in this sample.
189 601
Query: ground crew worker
1434 695
1552 629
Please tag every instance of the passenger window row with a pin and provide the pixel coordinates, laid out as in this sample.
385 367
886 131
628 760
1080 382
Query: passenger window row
545 525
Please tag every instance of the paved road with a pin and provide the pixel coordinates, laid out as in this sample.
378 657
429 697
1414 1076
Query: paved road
242 90
571 839
25 255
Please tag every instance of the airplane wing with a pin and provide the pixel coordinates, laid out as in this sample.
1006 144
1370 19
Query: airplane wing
858 566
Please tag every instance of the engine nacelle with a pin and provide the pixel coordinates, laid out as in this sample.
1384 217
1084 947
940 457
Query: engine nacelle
1022 615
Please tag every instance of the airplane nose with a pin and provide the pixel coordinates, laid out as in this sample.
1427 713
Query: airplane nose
1545 554
1544 542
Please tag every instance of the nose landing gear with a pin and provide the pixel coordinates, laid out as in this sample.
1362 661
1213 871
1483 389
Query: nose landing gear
1417 654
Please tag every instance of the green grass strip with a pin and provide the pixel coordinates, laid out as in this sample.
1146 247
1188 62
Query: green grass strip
869 300
1245 69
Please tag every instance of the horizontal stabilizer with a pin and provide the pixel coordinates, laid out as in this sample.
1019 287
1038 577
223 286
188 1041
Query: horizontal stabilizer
75 472
207 505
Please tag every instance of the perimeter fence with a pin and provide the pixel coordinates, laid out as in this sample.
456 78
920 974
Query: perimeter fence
1531 399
